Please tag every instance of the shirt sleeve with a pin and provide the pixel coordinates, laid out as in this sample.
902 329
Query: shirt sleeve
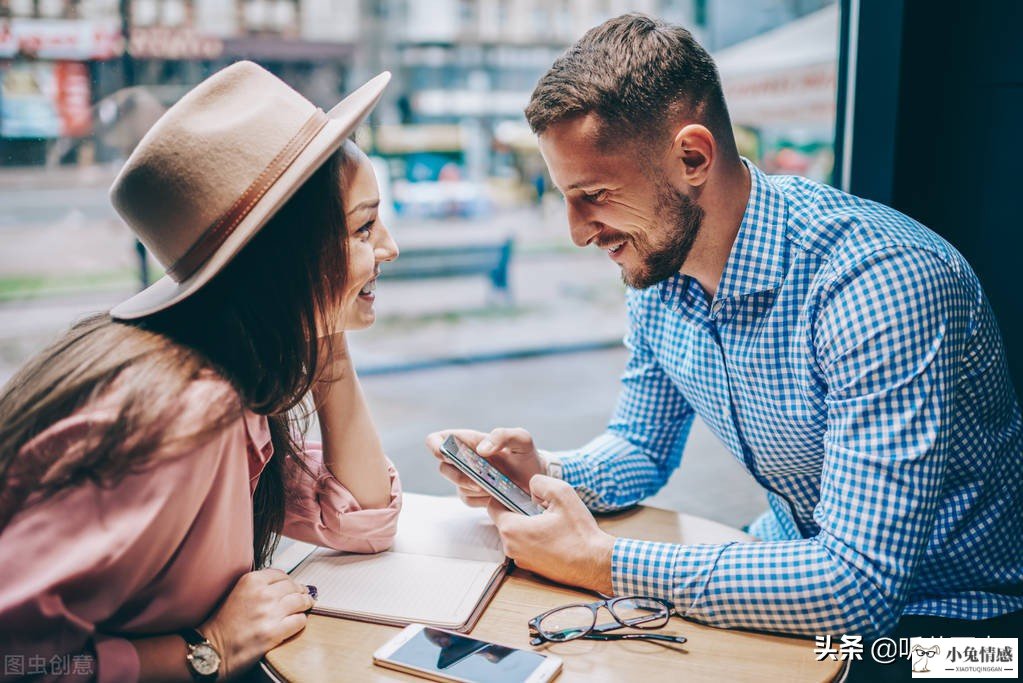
322 511
889 334
70 561
643 442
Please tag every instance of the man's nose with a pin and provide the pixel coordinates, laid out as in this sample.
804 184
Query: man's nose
580 226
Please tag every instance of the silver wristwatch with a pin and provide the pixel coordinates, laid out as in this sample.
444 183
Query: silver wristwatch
202 659
551 463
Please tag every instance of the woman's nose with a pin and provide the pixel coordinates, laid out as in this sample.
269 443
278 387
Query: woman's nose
386 248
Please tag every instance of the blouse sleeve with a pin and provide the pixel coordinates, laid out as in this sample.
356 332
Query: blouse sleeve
70 561
322 511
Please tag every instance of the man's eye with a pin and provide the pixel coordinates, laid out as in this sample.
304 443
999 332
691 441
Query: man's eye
595 197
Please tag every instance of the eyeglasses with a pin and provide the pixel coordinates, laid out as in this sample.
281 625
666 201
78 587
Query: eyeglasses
579 620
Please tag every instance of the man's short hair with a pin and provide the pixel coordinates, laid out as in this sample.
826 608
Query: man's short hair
639 76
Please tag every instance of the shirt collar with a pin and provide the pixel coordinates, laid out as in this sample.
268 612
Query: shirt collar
261 449
758 257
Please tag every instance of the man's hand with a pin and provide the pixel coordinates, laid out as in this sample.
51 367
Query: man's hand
510 450
564 543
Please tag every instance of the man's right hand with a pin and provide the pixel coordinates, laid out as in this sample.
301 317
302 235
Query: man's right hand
511 450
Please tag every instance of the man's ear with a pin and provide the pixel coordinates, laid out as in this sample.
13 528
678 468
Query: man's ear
693 150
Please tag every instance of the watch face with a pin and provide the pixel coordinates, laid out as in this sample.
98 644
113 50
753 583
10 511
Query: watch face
205 659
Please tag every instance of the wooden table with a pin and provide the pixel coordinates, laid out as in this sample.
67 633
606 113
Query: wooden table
332 649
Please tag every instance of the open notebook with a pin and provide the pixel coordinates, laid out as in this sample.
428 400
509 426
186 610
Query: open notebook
446 563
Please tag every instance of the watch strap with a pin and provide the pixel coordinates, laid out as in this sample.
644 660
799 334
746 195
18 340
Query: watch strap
194 638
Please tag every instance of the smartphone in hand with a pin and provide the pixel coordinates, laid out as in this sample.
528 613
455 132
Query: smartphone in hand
493 480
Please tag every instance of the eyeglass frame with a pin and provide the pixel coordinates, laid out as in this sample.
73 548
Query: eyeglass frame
599 631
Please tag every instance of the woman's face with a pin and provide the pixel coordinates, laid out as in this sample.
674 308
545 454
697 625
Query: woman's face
369 242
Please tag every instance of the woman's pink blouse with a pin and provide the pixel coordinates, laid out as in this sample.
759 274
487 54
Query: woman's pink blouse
86 570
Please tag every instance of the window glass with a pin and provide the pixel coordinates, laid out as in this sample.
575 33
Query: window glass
458 167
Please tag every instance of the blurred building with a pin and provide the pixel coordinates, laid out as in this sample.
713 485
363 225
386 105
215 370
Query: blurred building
48 51
174 44
463 69
64 73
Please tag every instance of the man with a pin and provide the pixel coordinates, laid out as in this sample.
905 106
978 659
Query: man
844 353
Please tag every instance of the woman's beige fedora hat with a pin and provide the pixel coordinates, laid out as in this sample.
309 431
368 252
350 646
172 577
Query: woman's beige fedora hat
217 166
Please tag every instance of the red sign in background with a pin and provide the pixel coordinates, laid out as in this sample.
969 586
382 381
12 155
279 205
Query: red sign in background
72 96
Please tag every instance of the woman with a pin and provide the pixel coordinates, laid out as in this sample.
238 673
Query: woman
147 460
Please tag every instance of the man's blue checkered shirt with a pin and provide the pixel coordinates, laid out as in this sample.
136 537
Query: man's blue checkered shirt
851 362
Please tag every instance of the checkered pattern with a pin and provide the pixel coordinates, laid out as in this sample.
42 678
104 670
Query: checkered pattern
851 362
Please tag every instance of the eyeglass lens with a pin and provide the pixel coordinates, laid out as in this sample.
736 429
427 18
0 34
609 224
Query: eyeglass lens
568 623
575 621
639 612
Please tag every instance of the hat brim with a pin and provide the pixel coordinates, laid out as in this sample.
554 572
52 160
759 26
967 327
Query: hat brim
341 121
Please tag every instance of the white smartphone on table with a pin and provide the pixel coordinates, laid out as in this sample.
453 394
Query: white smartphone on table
447 656
494 481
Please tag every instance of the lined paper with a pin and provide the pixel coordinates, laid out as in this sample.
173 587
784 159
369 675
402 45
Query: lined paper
444 559
398 586
446 527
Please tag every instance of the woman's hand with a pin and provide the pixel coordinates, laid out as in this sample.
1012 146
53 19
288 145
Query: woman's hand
264 609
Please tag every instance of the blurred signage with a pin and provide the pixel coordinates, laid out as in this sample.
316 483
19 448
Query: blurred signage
61 38
45 100
162 42
8 44
284 49
798 95
73 97
401 139
470 103
786 77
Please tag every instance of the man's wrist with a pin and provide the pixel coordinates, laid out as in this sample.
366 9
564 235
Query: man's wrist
603 553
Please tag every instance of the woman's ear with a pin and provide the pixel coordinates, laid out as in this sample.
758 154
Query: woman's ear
693 151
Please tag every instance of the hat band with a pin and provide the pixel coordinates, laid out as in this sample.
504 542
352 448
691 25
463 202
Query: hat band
216 234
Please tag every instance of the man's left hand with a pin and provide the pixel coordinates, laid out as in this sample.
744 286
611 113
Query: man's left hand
564 543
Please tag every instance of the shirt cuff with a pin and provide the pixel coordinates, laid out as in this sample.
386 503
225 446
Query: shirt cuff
363 529
677 573
117 660
577 472
587 470
321 510
644 568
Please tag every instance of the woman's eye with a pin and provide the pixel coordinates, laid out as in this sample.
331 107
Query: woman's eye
366 228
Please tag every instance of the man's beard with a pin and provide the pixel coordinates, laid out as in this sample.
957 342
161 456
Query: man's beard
681 218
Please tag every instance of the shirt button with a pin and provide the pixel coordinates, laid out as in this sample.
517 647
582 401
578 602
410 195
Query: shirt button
715 308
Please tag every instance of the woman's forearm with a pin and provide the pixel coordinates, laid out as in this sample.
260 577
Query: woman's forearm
162 659
351 445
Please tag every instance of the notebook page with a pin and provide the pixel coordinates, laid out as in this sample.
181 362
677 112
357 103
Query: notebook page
290 553
446 527
391 585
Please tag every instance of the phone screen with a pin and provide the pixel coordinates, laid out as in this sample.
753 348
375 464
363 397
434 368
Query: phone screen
457 656
492 476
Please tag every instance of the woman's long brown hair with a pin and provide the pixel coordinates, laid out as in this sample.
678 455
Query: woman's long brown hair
254 324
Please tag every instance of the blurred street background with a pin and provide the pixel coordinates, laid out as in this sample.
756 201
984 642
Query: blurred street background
531 337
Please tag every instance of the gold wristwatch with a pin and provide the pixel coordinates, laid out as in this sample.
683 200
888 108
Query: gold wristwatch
202 659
